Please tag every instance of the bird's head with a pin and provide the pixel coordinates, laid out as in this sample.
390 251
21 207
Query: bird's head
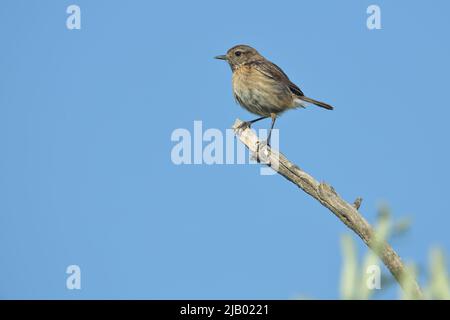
239 55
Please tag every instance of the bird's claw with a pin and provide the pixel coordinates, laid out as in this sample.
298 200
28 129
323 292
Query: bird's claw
244 125
262 146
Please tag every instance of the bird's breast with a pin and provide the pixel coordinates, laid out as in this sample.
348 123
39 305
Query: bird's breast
259 93
246 79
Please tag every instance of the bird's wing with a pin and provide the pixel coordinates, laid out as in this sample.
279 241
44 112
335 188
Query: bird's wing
273 71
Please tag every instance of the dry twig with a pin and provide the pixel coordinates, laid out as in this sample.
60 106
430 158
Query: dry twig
327 196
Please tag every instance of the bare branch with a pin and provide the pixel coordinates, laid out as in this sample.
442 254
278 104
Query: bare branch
327 196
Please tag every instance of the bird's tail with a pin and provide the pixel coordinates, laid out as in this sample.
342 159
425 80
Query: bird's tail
317 103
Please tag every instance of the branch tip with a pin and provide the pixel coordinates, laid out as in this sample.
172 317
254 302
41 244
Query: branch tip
357 203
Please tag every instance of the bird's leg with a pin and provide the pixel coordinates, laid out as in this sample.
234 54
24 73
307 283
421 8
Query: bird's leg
267 142
248 124
274 117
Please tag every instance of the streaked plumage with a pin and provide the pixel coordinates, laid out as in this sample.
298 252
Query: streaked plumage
261 87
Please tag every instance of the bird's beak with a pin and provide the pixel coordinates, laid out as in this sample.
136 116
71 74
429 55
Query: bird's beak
221 57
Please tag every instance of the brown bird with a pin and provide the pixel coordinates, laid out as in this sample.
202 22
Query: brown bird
261 87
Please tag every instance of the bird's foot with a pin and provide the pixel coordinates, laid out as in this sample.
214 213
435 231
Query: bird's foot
244 125
263 151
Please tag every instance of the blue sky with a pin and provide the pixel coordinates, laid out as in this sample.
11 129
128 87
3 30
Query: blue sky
86 118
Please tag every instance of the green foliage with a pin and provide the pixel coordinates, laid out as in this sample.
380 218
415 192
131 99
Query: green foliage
438 286
356 279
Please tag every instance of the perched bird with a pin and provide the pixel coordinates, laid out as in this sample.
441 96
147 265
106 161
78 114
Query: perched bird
261 87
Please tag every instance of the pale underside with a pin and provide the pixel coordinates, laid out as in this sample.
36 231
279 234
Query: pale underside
261 94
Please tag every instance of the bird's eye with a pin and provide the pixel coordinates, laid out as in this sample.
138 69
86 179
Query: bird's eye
237 53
